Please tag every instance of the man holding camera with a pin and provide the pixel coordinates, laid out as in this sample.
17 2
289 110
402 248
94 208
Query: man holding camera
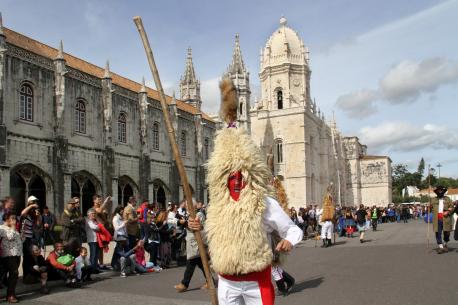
30 224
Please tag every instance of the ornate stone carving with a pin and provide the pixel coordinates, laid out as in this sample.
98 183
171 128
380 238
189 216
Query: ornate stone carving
30 57
85 78
125 93
373 172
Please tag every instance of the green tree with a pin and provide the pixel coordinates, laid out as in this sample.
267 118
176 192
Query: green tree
421 167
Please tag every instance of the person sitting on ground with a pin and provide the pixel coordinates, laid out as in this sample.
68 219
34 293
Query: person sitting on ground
83 267
36 269
125 257
141 265
58 270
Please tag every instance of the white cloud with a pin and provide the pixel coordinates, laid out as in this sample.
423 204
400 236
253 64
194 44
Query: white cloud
404 136
403 83
406 81
210 94
359 103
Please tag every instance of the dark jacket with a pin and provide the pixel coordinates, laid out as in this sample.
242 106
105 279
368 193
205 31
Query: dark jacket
71 225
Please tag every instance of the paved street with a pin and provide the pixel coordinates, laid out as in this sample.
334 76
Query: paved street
393 267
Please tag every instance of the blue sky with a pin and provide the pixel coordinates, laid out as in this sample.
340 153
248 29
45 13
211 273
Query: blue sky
387 69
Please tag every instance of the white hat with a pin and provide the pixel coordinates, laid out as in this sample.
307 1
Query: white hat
32 198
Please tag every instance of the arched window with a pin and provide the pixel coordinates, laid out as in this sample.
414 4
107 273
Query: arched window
206 149
279 99
80 117
183 143
26 103
241 108
122 122
279 151
156 136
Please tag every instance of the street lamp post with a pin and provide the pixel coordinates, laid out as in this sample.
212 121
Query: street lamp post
439 167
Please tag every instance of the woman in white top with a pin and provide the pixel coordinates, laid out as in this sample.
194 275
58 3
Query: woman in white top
120 232
119 224
11 251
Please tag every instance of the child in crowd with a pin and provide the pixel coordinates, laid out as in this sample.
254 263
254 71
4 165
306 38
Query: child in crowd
141 266
83 266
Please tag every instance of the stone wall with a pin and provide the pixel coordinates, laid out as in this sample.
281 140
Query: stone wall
59 155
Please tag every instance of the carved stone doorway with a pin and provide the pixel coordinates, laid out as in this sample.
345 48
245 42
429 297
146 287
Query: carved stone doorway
85 186
27 180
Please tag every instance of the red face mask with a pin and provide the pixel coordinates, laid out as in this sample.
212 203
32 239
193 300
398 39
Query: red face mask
235 184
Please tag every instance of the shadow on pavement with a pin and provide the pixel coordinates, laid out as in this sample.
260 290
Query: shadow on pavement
56 286
341 242
310 283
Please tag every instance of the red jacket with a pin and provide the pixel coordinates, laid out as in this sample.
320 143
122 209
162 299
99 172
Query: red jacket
141 212
103 237
52 260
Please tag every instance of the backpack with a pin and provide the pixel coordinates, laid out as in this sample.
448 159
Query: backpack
66 259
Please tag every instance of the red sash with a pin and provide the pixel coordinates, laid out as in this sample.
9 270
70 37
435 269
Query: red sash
264 281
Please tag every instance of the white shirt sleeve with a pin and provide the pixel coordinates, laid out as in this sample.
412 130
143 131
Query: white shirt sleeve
275 219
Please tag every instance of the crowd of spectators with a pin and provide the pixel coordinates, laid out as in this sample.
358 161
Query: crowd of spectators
348 219
139 230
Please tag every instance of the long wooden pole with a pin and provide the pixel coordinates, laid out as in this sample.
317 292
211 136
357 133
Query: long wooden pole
176 155
429 205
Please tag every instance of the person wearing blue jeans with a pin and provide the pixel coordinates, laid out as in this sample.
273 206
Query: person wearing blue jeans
91 234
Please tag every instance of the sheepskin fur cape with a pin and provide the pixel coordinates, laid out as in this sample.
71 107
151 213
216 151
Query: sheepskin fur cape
279 259
328 208
236 237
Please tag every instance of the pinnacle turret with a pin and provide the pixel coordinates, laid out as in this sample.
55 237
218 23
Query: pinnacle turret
189 75
107 73
189 84
237 66
60 52
1 25
143 88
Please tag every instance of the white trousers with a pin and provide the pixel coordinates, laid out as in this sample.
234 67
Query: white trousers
238 293
327 229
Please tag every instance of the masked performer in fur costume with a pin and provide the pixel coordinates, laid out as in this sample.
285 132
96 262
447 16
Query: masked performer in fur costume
327 218
241 216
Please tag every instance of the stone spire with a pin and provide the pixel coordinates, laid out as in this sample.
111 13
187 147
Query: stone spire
1 25
189 84
237 66
143 88
241 78
189 73
107 73
2 35
60 51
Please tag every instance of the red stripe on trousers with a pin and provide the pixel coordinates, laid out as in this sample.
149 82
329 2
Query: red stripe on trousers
263 278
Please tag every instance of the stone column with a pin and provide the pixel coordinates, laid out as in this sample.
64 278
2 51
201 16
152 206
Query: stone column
114 193
174 177
67 187
4 182
60 149
108 152
3 147
145 162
